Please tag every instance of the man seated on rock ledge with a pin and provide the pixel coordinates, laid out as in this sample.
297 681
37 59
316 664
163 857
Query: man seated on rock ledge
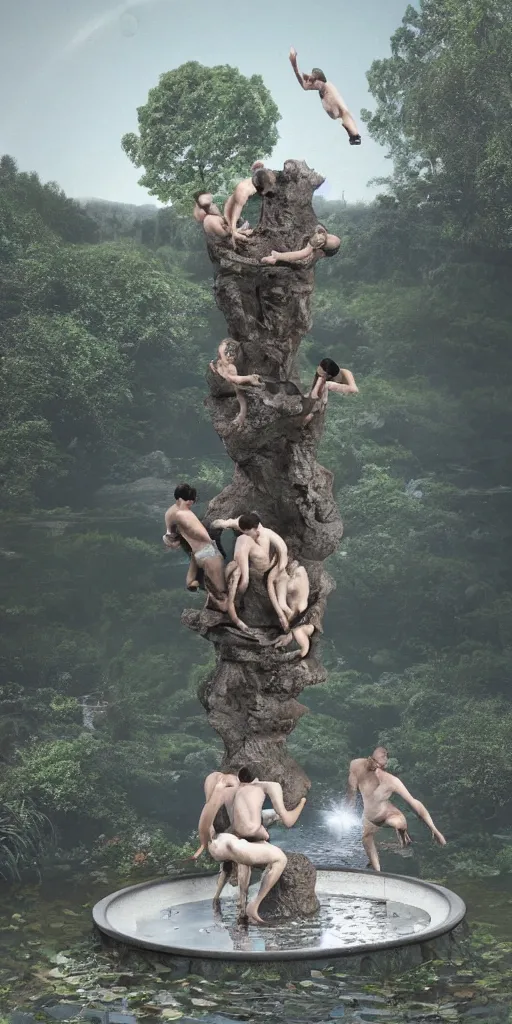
207 213
376 785
255 547
248 844
320 244
181 521
289 594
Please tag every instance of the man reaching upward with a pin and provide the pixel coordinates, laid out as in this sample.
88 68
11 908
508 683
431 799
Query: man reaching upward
333 104
376 785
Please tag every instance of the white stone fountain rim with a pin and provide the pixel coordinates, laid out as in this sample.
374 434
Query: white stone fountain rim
446 911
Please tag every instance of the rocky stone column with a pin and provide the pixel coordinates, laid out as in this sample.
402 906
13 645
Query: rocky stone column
252 697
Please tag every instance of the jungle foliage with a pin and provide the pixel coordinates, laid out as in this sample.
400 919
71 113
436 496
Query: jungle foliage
107 326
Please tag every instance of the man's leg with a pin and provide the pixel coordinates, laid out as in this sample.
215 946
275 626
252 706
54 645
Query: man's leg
303 634
272 874
281 584
192 581
369 830
244 880
233 573
215 583
239 420
398 821
224 875
348 121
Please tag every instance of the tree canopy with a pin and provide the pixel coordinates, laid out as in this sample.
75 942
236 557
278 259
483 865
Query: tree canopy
201 127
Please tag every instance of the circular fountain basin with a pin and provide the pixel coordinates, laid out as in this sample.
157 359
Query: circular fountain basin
360 912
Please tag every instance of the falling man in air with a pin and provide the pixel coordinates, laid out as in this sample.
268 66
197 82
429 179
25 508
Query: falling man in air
333 104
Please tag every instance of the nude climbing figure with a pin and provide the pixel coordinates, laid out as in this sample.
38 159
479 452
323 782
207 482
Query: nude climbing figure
255 548
225 367
245 813
288 591
181 521
329 377
320 245
262 182
228 849
376 785
332 102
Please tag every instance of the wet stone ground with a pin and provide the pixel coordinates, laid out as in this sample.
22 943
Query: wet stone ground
54 968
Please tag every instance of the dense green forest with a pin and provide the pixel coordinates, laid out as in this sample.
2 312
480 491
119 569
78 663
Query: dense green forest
107 326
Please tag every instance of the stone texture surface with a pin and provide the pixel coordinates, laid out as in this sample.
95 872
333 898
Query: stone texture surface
251 698
294 894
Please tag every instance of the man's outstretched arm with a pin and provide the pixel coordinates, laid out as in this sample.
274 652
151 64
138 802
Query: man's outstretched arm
418 808
347 386
275 795
289 257
352 788
225 524
293 61
278 543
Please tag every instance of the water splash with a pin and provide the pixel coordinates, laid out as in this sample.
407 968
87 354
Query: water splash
341 819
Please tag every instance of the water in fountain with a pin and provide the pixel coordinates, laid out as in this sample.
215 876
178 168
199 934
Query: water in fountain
342 922
341 819
331 836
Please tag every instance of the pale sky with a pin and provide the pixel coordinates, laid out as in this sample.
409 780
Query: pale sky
73 72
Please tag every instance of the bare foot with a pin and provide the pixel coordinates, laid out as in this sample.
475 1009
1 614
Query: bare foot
253 915
439 838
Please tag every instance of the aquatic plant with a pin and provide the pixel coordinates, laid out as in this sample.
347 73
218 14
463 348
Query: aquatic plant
24 834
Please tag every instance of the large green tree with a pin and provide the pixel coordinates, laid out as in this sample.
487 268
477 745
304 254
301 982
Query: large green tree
443 110
201 127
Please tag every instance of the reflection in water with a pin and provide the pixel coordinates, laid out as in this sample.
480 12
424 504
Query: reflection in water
341 921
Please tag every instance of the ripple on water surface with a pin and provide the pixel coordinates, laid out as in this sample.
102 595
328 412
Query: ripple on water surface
342 921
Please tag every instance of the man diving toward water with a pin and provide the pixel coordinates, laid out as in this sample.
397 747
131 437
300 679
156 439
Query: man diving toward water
332 102
376 785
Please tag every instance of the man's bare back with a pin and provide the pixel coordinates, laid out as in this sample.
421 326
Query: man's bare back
248 804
